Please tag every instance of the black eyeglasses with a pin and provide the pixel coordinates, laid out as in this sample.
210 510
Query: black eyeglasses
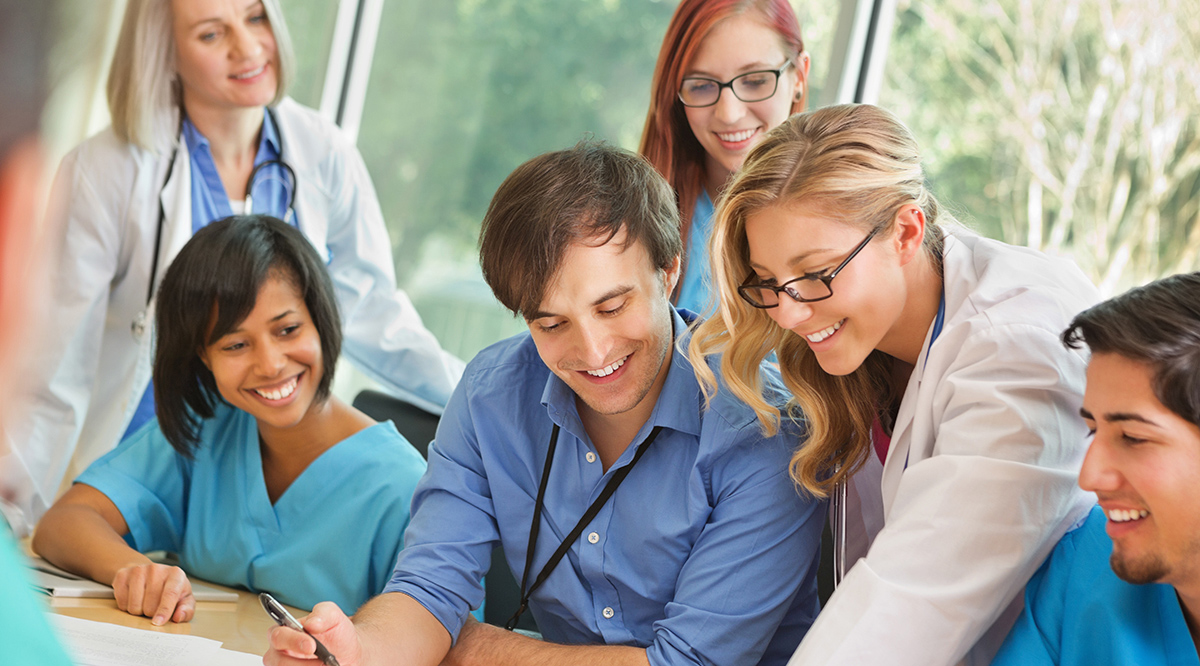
749 87
804 289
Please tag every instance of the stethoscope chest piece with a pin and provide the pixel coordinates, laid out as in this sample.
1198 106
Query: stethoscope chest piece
138 327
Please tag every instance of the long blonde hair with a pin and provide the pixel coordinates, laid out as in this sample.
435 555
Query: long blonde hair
143 86
860 164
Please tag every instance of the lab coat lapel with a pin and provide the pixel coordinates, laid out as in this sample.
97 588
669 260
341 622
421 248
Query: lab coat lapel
900 450
958 283
176 200
299 156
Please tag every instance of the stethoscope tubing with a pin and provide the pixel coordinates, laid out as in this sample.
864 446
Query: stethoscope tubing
162 214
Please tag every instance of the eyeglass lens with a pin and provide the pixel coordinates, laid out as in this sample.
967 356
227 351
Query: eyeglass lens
802 289
749 87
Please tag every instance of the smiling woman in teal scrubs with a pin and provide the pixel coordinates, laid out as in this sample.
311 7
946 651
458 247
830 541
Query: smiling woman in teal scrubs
252 473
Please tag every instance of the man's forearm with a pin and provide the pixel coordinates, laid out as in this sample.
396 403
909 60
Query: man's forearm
394 629
487 645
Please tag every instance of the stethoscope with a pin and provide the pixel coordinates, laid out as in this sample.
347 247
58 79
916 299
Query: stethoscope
139 323
839 496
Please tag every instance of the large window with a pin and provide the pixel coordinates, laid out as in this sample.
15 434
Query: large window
312 24
463 91
1067 126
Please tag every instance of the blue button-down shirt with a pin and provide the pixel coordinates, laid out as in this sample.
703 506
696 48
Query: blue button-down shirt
706 554
210 202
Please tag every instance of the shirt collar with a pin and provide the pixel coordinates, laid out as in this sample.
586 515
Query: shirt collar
192 137
270 135
679 404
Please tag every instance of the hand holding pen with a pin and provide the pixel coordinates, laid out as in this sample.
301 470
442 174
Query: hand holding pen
324 633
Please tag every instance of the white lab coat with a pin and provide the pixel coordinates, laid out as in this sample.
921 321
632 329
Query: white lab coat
104 217
980 479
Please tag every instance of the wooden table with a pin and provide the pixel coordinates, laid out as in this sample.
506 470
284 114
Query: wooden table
240 626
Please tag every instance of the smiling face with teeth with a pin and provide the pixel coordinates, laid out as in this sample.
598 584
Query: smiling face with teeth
728 129
225 54
1144 466
868 309
605 328
270 364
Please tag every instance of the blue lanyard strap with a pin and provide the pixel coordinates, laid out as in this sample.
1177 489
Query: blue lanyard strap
938 321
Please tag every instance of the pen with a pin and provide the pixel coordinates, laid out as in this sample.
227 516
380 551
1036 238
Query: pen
285 619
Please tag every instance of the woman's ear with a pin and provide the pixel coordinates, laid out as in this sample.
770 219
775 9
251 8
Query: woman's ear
910 232
800 86
203 354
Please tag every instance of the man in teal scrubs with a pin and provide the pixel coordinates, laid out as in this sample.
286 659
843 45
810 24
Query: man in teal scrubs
1124 587
25 637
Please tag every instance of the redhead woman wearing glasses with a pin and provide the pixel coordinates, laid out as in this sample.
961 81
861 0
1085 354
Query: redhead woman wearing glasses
728 72
942 409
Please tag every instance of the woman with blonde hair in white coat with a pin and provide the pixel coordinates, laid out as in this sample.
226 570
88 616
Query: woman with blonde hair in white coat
942 410
201 129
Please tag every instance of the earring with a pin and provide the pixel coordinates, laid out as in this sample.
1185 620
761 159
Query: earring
799 94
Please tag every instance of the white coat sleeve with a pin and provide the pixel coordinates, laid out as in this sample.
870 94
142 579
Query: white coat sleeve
972 521
384 336
42 434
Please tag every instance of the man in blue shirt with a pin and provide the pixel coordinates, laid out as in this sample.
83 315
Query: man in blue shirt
705 553
1124 588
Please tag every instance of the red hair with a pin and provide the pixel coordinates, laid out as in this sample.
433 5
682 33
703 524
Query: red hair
667 139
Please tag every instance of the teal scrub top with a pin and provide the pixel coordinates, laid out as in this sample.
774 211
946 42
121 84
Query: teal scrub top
25 635
1078 612
333 535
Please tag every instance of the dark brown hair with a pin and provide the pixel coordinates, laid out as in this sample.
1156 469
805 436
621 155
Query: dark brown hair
591 191
1157 324
223 266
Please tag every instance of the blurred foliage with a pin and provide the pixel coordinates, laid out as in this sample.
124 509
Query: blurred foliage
311 24
462 92
1066 126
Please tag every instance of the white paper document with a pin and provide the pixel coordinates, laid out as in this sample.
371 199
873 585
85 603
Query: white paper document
101 644
55 582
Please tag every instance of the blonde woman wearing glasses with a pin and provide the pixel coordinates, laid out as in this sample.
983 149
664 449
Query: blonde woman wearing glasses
942 409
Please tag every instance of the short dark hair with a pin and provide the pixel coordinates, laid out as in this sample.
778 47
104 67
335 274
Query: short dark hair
587 192
223 266
1157 324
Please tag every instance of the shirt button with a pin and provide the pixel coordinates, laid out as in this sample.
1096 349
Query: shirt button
591 457
608 613
594 538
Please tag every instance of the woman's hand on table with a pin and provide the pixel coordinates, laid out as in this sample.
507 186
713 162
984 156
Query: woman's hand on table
158 591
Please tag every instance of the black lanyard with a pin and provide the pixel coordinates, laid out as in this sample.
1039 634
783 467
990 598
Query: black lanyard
588 515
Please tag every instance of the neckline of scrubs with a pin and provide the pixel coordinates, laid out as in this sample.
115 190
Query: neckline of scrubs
1177 638
312 485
